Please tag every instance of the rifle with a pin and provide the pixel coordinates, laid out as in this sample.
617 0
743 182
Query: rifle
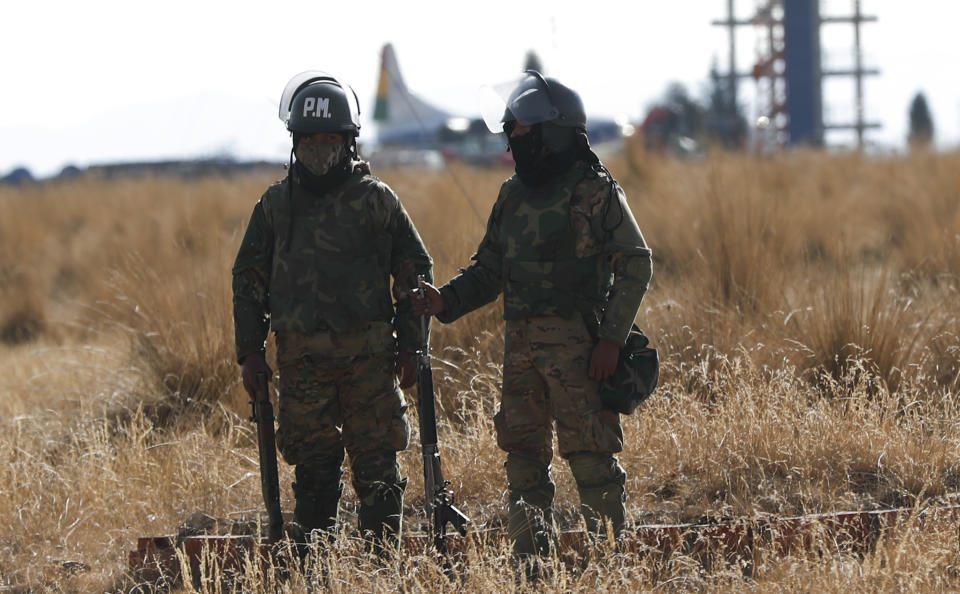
267 446
439 498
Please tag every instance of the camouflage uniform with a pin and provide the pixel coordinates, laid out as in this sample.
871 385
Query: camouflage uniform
316 269
573 266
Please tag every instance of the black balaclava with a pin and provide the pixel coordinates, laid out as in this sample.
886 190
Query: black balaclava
544 152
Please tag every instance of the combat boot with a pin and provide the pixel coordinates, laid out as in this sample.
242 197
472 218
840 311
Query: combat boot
381 516
530 516
600 481
316 492
530 527
316 512
377 482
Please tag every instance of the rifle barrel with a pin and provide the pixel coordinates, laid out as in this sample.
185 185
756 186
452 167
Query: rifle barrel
267 449
439 498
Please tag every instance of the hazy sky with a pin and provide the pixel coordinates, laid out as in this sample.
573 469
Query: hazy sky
103 80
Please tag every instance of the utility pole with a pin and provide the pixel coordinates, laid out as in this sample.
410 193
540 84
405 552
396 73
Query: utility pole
859 124
770 120
788 70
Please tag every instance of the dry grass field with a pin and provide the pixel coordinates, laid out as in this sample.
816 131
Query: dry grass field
805 307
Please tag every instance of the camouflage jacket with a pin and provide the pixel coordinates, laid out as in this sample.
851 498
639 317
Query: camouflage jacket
322 263
570 246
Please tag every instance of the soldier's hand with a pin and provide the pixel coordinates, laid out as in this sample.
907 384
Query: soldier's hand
252 365
427 301
604 359
406 369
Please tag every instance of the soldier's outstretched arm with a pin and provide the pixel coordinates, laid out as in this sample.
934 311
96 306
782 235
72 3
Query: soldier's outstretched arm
632 270
251 274
482 281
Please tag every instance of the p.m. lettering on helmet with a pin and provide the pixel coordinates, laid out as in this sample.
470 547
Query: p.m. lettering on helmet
316 107
314 101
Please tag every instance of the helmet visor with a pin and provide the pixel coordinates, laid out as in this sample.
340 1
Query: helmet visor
525 99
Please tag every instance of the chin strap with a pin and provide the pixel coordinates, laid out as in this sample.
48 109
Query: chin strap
286 244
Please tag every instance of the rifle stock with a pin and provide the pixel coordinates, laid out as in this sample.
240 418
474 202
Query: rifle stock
267 446
439 497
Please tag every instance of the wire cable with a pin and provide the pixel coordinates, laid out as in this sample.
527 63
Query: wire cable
453 175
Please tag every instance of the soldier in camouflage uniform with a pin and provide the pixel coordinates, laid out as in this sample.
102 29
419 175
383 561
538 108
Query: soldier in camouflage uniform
565 250
315 266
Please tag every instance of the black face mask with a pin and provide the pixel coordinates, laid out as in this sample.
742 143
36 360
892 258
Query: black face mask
535 163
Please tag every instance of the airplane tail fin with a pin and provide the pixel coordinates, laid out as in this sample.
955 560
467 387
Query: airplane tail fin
381 109
400 115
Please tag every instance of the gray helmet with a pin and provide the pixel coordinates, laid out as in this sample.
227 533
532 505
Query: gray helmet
315 101
533 99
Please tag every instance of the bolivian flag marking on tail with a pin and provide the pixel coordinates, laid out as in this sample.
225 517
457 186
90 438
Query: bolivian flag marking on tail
402 118
381 110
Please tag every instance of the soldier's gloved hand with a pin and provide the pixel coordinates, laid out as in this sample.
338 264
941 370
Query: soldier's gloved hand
253 364
406 369
427 300
604 359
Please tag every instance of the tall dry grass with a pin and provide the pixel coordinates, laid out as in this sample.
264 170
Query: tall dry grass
805 308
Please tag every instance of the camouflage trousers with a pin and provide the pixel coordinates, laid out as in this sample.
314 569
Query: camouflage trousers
545 381
332 405
545 365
